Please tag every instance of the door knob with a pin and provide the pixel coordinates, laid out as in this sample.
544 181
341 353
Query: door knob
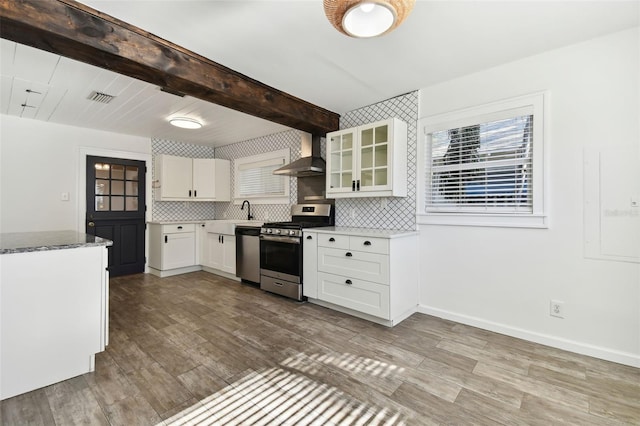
91 224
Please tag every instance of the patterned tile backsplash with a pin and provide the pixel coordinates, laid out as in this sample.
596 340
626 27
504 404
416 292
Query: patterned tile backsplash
399 213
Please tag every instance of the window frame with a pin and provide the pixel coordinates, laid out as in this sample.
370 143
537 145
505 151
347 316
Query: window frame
282 156
536 104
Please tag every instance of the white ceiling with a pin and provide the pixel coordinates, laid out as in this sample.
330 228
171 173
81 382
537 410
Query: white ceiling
291 46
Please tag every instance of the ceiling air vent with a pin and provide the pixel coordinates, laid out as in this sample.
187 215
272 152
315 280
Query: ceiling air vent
100 97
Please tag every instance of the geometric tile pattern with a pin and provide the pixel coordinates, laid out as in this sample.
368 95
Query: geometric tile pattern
289 139
181 210
399 213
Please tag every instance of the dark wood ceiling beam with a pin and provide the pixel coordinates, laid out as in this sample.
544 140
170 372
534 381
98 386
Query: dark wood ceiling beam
76 31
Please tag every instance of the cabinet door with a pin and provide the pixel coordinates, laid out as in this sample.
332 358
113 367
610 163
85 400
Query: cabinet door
229 254
359 295
341 161
213 251
375 156
204 176
310 265
179 250
176 179
354 264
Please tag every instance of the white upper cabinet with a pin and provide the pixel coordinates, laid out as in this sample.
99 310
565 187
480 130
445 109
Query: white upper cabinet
192 179
368 160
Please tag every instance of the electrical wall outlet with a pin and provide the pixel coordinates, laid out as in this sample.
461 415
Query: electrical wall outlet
556 309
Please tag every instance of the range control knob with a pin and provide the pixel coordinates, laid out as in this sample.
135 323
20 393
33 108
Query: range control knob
269 231
292 232
277 231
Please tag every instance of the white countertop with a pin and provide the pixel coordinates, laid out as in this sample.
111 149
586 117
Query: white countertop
362 232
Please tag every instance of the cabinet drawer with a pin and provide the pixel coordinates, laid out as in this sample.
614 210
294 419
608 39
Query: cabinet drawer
359 295
369 245
354 264
334 241
178 228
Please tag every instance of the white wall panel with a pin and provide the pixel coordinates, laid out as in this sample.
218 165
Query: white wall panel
39 161
504 278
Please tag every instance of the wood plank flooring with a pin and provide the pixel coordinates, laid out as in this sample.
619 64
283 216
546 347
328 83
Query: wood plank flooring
199 349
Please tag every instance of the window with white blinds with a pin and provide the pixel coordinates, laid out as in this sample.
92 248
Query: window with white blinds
254 178
485 162
483 167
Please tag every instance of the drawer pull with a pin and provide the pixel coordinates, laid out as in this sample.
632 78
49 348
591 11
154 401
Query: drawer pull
367 243
179 227
309 237
348 254
278 284
331 239
348 282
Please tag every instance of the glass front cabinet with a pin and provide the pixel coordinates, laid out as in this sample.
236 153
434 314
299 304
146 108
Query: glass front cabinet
368 160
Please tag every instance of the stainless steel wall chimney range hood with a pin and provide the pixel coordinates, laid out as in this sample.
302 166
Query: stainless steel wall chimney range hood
310 163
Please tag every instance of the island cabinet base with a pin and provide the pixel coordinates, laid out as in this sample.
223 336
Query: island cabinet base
53 317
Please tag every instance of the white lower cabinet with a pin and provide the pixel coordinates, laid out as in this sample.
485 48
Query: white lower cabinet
172 249
219 252
371 274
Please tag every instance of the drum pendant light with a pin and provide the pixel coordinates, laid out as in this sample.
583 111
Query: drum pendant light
367 18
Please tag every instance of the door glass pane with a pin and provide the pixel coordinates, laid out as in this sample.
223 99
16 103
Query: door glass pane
366 160
335 162
117 187
102 171
132 173
347 141
117 204
131 204
381 155
381 176
132 188
366 178
335 144
366 137
346 180
335 180
117 172
102 204
381 134
347 161
102 187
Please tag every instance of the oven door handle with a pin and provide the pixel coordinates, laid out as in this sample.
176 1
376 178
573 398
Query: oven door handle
289 240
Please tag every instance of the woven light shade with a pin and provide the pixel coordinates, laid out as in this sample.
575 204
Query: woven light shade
367 18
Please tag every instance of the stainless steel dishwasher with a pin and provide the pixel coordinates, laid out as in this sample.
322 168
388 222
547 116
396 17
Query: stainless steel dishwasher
248 253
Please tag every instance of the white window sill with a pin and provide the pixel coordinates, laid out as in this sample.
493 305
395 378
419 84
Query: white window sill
471 219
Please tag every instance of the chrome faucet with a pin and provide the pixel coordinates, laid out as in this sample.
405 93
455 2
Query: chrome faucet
249 216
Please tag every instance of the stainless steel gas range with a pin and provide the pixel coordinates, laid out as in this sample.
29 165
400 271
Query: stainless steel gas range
281 248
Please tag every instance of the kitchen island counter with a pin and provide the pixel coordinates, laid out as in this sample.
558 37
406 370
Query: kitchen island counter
25 242
54 307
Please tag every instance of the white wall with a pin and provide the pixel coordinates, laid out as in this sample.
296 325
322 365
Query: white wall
509 275
39 161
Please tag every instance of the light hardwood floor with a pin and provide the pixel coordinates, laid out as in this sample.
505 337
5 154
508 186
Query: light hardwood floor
199 349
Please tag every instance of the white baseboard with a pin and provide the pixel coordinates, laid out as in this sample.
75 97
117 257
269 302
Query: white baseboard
619 357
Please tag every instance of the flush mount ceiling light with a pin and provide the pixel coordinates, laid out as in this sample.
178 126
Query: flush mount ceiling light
367 18
185 123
